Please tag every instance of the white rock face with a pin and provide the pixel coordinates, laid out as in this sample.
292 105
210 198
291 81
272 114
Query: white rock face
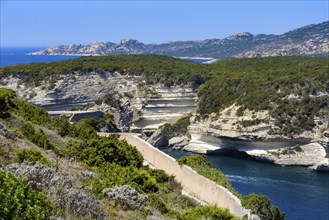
310 155
226 124
152 106
78 87
199 143
308 149
167 104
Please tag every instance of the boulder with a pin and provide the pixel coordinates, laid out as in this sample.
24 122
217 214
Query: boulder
158 139
175 140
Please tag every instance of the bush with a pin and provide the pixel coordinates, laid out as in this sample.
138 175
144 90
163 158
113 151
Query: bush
110 100
261 206
206 212
155 201
32 155
37 137
177 129
20 201
96 152
160 175
6 96
140 179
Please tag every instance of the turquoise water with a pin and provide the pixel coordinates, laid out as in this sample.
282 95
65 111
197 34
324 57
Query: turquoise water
299 192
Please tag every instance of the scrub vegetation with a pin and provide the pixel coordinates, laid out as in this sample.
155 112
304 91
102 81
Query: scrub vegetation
106 162
293 89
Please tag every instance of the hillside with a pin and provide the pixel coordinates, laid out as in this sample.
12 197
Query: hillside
254 99
51 168
293 89
311 40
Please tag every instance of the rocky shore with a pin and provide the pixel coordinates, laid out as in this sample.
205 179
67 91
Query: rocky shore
313 43
220 134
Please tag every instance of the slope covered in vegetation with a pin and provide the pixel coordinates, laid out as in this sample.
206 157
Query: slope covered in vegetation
51 168
292 89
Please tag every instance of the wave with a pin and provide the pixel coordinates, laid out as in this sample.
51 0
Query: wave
262 181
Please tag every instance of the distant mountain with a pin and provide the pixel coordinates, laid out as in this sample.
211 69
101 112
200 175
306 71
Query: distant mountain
311 40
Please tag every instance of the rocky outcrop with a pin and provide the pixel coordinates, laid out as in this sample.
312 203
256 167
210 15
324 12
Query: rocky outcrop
126 116
142 108
158 139
167 104
223 133
308 40
95 115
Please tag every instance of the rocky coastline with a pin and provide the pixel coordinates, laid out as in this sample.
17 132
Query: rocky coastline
143 108
313 43
310 150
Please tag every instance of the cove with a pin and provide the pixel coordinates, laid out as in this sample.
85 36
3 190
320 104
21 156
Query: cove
299 192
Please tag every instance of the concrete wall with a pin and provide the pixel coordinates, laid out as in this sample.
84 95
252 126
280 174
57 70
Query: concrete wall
193 183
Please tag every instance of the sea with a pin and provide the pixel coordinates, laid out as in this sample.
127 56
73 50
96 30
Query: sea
301 193
18 55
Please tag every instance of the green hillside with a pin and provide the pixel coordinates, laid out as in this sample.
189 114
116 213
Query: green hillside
265 84
62 170
293 89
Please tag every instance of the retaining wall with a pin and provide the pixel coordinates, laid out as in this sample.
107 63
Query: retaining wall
193 183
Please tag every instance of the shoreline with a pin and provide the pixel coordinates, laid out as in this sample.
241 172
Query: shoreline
207 59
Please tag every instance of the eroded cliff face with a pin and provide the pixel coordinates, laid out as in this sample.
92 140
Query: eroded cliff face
146 107
167 104
254 133
78 87
143 107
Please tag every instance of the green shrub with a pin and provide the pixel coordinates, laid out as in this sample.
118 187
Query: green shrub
261 206
177 129
157 202
6 97
298 149
20 201
118 175
247 123
110 100
32 155
206 212
37 137
95 152
160 175
240 111
143 180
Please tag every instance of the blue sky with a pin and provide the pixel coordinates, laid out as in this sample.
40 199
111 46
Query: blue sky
49 23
